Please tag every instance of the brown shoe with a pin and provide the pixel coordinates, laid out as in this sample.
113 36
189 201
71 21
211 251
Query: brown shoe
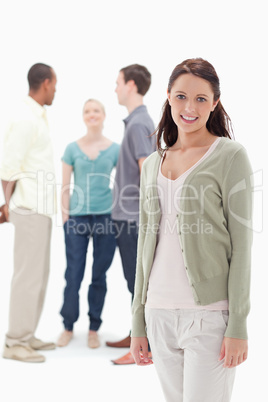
124 343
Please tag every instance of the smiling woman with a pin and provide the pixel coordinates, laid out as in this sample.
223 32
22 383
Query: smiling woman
192 285
87 42
87 214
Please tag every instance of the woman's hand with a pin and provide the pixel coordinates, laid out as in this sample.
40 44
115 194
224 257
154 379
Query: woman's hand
65 218
139 351
234 352
65 191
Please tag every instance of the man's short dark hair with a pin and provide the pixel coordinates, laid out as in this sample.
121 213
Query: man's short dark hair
140 75
37 74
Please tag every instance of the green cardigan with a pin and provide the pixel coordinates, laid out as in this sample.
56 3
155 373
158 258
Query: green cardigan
214 226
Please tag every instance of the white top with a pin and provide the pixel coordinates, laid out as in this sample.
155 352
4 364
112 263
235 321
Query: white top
28 159
169 287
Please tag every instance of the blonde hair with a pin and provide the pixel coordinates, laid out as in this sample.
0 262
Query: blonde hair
97 101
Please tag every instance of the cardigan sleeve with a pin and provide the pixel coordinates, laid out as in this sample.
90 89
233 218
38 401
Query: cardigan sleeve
138 319
237 205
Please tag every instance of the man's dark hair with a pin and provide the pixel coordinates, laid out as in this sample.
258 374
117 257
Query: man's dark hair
37 74
140 75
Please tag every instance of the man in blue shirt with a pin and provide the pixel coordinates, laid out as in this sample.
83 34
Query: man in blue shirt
133 83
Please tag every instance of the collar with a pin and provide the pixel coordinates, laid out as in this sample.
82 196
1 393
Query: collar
35 106
138 110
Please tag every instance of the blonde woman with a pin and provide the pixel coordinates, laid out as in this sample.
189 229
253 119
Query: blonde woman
87 213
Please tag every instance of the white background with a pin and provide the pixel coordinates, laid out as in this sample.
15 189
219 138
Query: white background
87 42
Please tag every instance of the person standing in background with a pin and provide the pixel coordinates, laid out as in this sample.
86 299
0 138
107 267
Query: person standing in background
87 214
133 82
28 182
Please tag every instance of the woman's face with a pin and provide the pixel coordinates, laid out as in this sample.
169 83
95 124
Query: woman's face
192 100
93 114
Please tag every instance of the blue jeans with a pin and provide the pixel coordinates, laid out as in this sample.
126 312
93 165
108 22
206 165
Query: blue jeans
78 230
127 238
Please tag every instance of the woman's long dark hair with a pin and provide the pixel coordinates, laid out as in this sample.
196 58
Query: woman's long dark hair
219 123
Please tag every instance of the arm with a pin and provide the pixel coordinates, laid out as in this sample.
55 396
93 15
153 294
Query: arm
139 341
237 204
142 145
17 141
65 190
140 162
8 189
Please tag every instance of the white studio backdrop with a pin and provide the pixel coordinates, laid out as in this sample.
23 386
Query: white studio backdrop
87 42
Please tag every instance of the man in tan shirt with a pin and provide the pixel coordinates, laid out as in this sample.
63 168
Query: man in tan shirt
28 181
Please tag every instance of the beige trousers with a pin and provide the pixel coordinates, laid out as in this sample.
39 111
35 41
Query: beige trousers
31 270
186 346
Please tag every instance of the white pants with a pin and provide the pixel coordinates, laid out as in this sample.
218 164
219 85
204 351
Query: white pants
186 346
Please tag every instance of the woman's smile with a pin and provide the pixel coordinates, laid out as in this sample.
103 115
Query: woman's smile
189 119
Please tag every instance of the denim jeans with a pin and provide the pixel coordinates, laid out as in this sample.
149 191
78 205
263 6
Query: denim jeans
127 241
78 230
127 238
